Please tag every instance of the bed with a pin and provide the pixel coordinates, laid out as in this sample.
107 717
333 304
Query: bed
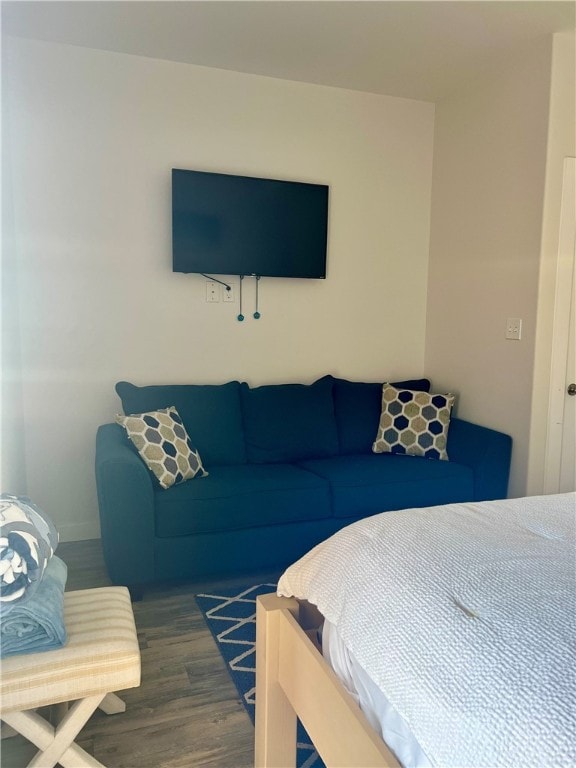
451 632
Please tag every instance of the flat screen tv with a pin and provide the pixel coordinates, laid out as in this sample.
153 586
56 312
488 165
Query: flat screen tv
241 225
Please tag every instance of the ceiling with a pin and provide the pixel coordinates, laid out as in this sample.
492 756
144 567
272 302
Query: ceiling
420 49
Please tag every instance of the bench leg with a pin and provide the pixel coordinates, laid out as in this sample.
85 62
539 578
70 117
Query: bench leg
56 744
112 704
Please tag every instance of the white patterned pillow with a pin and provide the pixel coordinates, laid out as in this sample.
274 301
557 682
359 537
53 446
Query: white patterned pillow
163 443
414 423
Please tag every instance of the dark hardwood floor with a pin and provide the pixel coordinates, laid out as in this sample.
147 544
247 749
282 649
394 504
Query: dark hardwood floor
186 712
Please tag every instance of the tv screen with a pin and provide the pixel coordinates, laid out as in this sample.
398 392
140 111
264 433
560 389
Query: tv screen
241 225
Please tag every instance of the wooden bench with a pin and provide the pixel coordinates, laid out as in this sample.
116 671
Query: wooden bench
101 656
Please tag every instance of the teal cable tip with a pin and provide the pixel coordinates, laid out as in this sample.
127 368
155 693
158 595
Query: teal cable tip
240 318
257 315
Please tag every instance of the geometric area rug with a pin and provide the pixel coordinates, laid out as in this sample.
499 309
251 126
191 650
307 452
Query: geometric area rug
231 618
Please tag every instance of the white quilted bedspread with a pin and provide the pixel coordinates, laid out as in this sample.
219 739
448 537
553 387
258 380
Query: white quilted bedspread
464 616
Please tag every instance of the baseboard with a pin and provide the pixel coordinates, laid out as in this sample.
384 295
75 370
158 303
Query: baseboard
79 531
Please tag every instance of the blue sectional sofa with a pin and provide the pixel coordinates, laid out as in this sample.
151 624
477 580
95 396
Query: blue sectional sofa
288 466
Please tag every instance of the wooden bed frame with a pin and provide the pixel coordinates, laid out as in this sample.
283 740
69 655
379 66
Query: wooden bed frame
294 680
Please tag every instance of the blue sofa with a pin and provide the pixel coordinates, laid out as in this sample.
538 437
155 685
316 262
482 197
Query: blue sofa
288 466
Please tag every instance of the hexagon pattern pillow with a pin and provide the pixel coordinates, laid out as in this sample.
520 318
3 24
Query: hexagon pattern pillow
163 443
414 423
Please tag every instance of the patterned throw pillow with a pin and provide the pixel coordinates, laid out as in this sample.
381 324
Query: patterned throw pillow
164 445
414 423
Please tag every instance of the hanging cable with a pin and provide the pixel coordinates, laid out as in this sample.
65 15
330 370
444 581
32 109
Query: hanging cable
209 277
240 316
257 314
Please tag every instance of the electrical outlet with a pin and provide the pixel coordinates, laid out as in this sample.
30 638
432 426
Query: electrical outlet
212 291
229 295
514 328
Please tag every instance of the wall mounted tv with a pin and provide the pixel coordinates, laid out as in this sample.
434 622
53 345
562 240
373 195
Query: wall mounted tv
241 225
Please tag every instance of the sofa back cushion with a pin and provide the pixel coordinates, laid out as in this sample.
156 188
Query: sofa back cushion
211 414
357 406
289 422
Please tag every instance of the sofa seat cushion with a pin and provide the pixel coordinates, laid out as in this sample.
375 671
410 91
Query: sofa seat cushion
245 496
364 485
288 422
211 414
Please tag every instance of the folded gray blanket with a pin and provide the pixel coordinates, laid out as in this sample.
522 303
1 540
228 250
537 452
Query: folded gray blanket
38 623
28 540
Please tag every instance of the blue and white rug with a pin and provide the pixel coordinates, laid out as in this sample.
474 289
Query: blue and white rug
231 618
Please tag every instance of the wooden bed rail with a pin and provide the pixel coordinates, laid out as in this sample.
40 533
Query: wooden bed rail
293 680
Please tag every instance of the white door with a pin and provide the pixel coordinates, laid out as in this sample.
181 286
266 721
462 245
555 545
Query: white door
568 450
560 467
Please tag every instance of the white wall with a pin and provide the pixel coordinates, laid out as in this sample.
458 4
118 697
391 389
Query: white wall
12 454
487 203
93 137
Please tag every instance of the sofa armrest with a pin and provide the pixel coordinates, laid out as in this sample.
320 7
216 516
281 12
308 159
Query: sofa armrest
487 451
126 504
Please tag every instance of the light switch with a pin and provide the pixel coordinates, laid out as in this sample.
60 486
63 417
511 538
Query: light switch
514 328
